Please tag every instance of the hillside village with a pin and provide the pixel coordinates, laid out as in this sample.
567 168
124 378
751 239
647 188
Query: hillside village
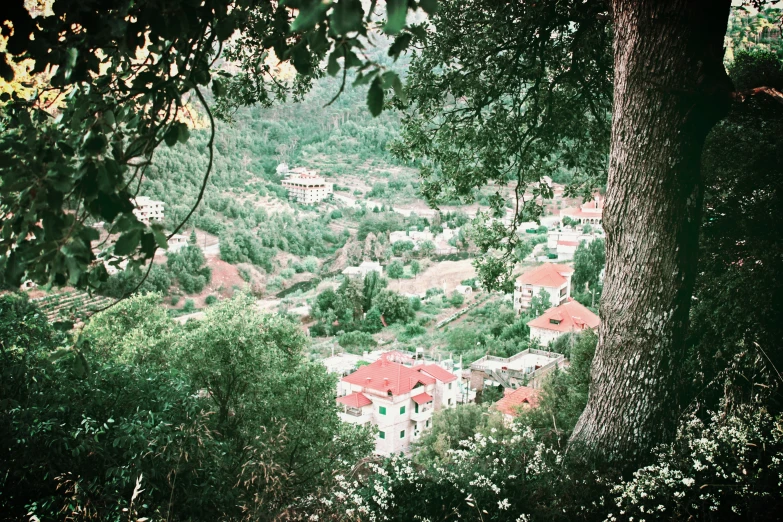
394 379
371 261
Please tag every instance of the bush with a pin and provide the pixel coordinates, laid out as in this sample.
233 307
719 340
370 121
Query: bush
211 299
189 267
174 300
456 300
287 273
189 306
412 330
336 214
356 340
415 303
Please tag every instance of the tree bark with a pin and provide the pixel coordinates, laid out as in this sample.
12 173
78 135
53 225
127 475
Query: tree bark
670 88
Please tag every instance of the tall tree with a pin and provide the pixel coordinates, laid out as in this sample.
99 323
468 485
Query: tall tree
670 89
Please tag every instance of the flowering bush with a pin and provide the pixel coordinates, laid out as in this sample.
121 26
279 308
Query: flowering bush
724 468
727 468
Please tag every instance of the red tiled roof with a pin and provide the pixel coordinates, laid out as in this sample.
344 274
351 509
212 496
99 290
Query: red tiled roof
566 242
422 398
385 376
572 316
436 371
547 274
523 396
355 400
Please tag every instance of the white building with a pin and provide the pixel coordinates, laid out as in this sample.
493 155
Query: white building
359 272
305 186
527 368
553 279
569 317
147 210
177 243
588 213
399 400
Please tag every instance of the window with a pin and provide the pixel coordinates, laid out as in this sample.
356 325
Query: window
402 434
402 410
428 423
416 407
450 386
449 402
381 435
554 321
382 411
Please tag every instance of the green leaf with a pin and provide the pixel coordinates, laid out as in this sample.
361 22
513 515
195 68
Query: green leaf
184 133
400 44
347 16
375 97
108 117
60 352
429 6
61 326
399 91
333 67
171 136
309 15
388 79
65 148
217 88
127 242
396 12
94 142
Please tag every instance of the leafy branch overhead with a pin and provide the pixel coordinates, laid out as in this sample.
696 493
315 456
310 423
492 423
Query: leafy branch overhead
117 79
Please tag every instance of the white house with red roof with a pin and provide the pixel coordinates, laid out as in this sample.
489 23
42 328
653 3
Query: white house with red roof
569 317
554 279
587 213
399 400
517 400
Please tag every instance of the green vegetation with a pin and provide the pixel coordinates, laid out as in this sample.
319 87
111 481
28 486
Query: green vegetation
188 267
143 399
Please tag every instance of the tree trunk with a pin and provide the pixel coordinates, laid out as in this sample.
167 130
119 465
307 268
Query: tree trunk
670 88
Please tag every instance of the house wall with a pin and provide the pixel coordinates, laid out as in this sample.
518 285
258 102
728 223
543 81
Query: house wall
543 335
523 297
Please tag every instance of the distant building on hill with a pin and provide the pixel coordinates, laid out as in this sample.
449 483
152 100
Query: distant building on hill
361 271
397 398
306 186
148 210
553 279
588 213
177 242
569 317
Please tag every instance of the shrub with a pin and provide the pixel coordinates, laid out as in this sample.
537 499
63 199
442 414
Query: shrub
189 306
211 299
356 340
174 300
336 214
456 300
287 273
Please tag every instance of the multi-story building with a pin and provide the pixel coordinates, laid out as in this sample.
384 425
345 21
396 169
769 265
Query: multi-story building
588 213
569 317
553 279
148 210
527 368
305 186
398 399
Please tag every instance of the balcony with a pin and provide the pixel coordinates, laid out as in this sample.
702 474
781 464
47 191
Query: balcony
422 415
355 416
